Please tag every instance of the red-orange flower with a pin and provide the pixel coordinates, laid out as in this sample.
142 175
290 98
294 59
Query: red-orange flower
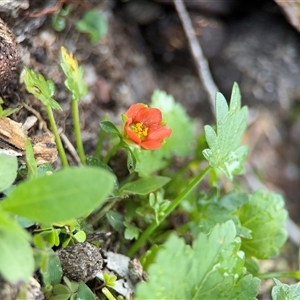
143 125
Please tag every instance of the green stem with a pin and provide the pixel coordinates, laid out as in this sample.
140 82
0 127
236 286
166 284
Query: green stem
108 294
76 125
146 234
112 151
59 145
295 275
99 143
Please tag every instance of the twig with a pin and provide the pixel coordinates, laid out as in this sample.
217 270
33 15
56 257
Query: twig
70 148
200 60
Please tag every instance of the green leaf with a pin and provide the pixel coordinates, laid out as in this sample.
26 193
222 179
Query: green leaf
75 78
61 292
175 117
72 285
93 23
265 216
147 162
8 111
214 209
67 194
144 186
8 170
42 89
285 292
131 160
110 127
53 273
109 280
16 255
84 292
131 232
149 257
115 219
211 269
80 236
225 152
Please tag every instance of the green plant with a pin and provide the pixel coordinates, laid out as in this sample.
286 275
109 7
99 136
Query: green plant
94 24
8 111
214 252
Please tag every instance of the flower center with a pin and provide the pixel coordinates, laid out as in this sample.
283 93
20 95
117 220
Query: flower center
140 129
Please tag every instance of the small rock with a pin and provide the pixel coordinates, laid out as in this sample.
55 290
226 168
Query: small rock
80 262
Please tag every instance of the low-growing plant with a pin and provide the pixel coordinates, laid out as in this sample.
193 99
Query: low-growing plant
194 242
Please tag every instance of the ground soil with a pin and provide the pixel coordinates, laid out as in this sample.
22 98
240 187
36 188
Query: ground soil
253 45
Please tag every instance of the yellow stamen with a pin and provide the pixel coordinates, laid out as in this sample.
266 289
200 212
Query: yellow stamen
140 129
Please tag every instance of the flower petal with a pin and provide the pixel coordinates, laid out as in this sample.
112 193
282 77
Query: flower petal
131 134
148 116
151 145
134 109
158 132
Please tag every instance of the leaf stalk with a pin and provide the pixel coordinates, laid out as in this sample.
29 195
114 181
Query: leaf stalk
146 234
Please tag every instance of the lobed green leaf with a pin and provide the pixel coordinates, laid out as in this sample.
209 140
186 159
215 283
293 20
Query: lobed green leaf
225 152
213 268
283 291
265 216
41 88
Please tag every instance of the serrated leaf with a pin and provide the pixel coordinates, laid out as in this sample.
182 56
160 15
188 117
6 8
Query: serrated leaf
215 210
8 170
211 269
147 162
285 292
41 88
144 186
64 195
225 152
74 73
264 214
